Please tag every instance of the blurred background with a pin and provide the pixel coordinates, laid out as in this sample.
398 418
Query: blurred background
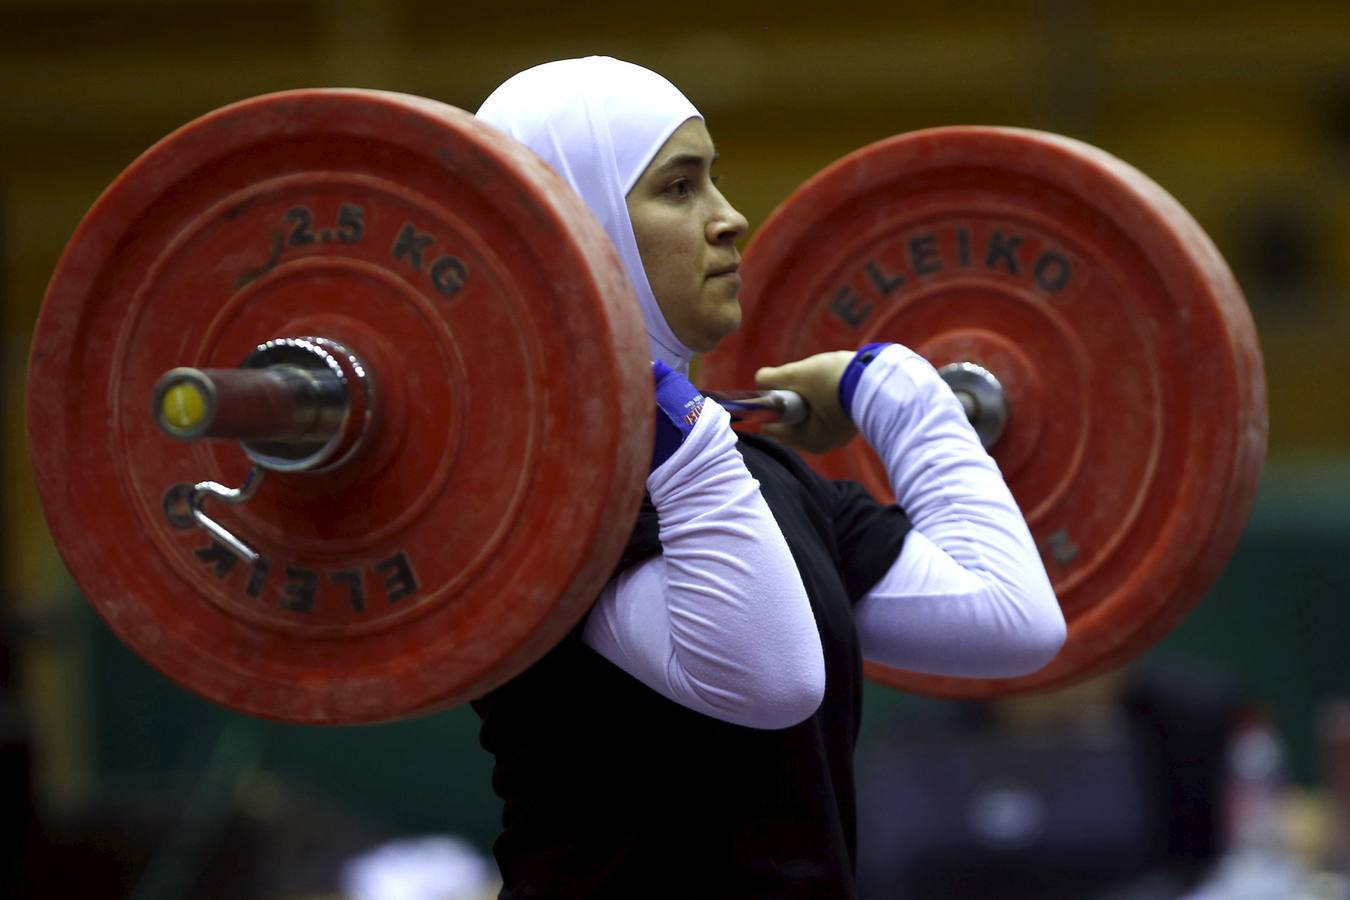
1240 109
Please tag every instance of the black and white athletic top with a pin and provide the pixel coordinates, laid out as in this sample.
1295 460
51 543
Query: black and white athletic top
694 736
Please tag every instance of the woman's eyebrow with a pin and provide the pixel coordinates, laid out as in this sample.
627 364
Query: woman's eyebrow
686 159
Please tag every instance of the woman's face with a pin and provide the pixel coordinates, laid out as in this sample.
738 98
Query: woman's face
686 233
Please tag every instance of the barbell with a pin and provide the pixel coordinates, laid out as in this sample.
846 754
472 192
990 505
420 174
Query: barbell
339 401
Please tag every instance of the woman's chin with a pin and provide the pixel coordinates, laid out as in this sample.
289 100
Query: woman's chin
717 327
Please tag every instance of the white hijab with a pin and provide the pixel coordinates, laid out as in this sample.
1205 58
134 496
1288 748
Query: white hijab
599 122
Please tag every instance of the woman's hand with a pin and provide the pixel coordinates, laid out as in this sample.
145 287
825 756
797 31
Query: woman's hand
816 378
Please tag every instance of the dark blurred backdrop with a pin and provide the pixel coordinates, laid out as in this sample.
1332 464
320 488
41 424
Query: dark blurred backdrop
1241 110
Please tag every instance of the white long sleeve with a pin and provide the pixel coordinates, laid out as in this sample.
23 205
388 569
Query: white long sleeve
968 595
718 621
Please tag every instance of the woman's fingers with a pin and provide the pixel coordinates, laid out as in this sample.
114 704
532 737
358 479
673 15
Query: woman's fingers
816 378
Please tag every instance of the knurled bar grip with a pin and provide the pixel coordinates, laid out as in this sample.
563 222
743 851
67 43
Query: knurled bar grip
786 407
981 395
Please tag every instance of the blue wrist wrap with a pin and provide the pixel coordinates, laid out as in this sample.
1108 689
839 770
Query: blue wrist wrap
848 382
678 406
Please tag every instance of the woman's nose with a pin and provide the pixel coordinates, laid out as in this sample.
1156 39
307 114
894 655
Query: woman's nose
728 225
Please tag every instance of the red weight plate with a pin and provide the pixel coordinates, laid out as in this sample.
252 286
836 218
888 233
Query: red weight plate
501 484
1137 413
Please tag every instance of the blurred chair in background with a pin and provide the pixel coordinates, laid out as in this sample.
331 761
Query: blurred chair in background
1113 788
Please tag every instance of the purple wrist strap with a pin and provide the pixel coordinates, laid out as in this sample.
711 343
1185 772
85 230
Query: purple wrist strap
848 383
678 406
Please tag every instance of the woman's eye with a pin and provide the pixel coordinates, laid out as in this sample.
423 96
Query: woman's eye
678 188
